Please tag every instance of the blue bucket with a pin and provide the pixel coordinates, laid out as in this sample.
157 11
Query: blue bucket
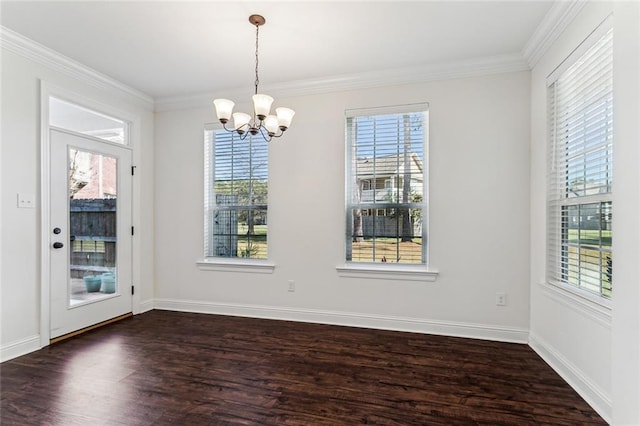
108 283
92 283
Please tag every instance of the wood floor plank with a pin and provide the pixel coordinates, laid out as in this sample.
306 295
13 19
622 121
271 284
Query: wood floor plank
172 368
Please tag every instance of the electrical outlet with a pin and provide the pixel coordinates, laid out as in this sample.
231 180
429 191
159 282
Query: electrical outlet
26 201
501 299
292 286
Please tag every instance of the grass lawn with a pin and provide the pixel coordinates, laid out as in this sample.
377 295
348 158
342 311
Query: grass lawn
254 246
589 237
387 248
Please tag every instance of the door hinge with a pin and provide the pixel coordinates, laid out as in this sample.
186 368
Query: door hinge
132 290
133 170
132 231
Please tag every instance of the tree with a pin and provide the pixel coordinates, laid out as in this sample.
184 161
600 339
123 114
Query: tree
407 229
357 232
78 176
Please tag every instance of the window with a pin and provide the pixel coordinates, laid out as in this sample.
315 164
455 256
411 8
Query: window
236 187
386 185
579 206
70 116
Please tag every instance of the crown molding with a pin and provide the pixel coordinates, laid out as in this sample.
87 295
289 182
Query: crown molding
29 49
372 79
552 26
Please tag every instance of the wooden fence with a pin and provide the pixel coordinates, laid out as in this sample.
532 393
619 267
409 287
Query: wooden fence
93 232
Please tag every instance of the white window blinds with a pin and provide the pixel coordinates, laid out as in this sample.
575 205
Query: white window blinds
236 191
386 185
579 207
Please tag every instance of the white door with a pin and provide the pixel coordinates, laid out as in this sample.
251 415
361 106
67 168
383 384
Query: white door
90 235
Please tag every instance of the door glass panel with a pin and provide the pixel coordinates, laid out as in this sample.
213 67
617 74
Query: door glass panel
92 223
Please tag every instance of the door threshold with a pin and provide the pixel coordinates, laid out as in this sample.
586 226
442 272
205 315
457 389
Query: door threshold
91 327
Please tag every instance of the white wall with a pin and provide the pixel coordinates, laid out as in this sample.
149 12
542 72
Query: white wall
594 348
21 173
479 215
626 222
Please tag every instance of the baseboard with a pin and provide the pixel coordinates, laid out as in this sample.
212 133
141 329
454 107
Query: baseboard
415 325
145 306
589 391
19 348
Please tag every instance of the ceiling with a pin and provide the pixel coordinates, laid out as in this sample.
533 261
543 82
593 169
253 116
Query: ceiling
170 49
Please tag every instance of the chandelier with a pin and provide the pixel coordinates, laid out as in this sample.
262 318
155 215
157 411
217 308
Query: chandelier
262 122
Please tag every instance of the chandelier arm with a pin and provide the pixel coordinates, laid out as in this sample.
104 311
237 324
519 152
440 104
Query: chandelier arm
278 135
267 137
239 131
224 126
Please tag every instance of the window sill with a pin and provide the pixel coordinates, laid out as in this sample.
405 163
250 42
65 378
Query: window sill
400 273
591 304
236 265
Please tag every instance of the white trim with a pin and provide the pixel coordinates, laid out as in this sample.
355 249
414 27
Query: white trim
145 306
27 48
135 137
594 37
400 76
592 306
352 319
37 52
95 106
236 265
580 382
19 348
396 273
552 26
554 23
45 223
384 110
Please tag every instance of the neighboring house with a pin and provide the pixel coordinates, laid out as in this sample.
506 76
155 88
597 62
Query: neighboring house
381 183
381 179
92 176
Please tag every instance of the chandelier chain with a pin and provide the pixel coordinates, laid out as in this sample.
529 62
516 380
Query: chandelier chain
257 79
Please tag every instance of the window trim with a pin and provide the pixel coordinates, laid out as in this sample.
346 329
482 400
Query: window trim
393 271
224 264
399 272
583 302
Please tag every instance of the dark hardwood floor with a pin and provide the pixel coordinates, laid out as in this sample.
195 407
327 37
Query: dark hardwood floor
171 368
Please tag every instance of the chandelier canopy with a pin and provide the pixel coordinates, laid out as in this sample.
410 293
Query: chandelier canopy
262 122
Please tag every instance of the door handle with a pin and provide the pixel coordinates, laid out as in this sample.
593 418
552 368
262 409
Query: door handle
58 245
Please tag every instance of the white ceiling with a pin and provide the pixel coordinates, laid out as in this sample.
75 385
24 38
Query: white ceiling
167 49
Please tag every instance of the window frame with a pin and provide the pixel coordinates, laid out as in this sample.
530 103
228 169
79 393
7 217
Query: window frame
219 263
559 203
387 270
